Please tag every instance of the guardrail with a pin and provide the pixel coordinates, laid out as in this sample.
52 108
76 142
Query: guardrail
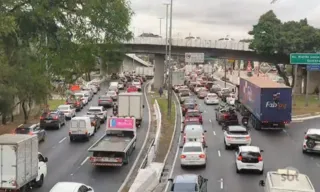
146 159
200 43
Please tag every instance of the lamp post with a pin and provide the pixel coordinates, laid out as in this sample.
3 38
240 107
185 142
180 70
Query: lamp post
170 65
167 23
160 20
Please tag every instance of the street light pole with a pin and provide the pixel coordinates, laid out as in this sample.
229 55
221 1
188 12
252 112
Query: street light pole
167 23
160 32
170 65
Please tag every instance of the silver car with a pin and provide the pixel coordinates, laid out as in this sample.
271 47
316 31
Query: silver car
113 95
211 99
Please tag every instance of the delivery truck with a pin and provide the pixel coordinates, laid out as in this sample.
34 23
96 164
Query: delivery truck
22 166
178 78
116 146
266 104
131 104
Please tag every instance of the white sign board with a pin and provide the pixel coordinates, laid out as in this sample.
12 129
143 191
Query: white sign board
194 57
178 78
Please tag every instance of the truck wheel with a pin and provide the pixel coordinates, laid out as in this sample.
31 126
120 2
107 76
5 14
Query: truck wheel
40 182
127 160
71 139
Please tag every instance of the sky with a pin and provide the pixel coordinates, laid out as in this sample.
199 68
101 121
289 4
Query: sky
214 19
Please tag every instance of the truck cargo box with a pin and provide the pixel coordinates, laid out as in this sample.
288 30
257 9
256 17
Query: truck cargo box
131 104
267 100
18 160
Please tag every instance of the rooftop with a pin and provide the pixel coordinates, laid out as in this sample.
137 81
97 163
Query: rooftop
264 82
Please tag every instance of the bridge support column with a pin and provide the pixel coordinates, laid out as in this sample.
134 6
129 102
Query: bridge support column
158 72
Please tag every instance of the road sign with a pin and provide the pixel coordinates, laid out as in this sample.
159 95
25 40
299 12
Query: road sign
313 67
264 68
305 58
194 57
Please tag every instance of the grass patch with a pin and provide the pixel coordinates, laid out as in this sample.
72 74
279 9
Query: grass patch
300 109
54 103
166 129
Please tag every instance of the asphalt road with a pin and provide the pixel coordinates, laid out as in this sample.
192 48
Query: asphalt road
281 149
69 161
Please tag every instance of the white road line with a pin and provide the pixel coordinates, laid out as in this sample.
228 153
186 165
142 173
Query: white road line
62 139
20 125
214 133
210 120
221 183
84 161
219 153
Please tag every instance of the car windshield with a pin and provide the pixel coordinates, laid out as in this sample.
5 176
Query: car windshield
200 85
314 137
192 149
22 130
111 93
193 114
104 98
212 96
190 106
94 110
238 132
184 187
203 92
250 154
112 88
185 93
225 90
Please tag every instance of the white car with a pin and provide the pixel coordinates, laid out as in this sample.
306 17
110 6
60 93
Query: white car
193 154
113 95
89 92
231 99
71 187
137 84
93 88
84 97
249 158
235 135
212 99
99 111
68 110
311 142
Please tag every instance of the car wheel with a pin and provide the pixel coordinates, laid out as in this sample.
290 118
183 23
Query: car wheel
261 172
40 182
226 146
237 170
304 151
71 139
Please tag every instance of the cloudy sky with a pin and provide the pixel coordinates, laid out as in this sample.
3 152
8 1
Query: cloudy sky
213 19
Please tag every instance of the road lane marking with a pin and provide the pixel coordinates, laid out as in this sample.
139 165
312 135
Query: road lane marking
221 183
62 139
210 120
84 161
219 153
214 133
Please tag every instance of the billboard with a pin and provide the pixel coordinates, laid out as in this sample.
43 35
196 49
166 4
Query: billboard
121 123
194 58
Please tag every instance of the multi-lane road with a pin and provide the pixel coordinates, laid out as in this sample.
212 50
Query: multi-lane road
281 149
69 161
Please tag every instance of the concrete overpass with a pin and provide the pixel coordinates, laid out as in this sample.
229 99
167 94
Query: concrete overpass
131 61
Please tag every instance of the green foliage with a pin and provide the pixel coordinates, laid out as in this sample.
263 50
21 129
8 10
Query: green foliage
271 37
44 39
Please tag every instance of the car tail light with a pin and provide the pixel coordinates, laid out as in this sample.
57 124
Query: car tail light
118 159
306 137
239 158
110 100
92 159
225 116
184 138
77 103
31 133
56 118
228 137
41 118
86 133
202 156
99 100
260 158
66 103
247 137
93 123
182 156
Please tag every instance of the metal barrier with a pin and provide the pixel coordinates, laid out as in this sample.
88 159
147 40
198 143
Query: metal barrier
144 163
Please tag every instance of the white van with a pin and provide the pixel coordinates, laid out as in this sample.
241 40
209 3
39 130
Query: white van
193 133
81 128
84 97
113 84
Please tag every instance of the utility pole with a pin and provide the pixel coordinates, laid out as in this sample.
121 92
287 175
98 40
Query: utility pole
167 23
170 66
160 32
225 73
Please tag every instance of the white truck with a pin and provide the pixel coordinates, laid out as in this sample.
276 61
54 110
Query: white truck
148 72
286 180
22 166
131 105
178 78
116 146
208 68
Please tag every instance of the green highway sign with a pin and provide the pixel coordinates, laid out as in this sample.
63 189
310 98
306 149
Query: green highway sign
305 58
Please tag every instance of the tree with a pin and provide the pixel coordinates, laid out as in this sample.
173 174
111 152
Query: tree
272 37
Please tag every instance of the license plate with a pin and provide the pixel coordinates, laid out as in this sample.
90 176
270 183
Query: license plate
48 121
250 165
275 124
193 119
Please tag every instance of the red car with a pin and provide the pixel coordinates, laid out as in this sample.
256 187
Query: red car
188 106
132 88
193 116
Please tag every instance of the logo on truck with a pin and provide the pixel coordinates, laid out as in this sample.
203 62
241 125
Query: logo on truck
123 123
275 103
248 93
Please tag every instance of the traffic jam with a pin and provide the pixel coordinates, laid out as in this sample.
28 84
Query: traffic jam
256 103
123 97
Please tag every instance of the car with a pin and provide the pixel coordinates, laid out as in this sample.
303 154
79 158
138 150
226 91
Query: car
96 84
202 93
183 96
193 154
68 110
113 88
84 97
132 88
89 92
113 95
215 88
95 121
231 99
188 182
105 101
75 101
183 88
194 133
137 83
226 115
191 104
211 99
224 92
193 115
176 88
198 87
311 142
31 129
249 158
52 119
120 85
99 111
236 135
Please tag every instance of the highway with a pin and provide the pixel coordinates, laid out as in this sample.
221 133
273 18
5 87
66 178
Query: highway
281 149
69 161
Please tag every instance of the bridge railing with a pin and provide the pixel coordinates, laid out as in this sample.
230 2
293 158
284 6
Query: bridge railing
199 43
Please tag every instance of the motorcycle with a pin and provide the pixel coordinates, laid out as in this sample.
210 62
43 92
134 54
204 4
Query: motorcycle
245 121
115 110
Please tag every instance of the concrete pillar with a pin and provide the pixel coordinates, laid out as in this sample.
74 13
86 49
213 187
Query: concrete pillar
158 71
